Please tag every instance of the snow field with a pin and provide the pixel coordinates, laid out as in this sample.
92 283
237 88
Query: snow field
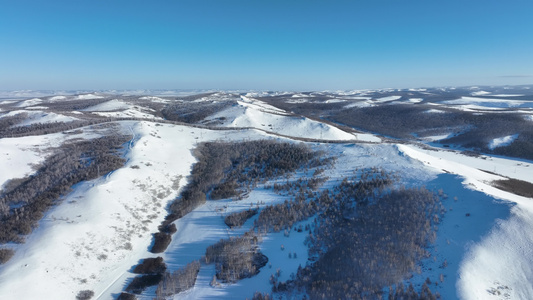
498 264
103 227
111 105
35 117
30 102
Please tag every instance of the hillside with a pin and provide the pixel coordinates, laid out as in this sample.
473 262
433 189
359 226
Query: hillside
234 195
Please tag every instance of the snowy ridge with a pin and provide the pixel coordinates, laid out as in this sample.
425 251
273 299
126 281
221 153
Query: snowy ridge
35 117
257 114
30 102
91 239
501 261
486 103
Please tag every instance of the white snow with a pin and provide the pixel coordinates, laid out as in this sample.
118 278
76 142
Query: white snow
257 114
484 103
335 101
129 113
297 100
88 97
300 96
388 98
435 111
34 117
17 155
103 227
30 102
111 105
508 95
56 98
433 138
205 226
360 104
37 107
501 261
502 141
99 219
480 93
154 99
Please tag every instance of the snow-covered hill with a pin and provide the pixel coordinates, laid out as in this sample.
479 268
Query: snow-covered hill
100 229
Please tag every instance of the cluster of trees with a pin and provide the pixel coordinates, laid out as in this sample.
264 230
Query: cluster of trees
74 105
24 203
237 219
84 295
126 296
361 246
151 266
153 271
301 185
194 112
8 121
485 128
6 254
40 128
236 258
307 203
400 121
366 236
519 187
230 169
399 292
141 282
284 215
178 281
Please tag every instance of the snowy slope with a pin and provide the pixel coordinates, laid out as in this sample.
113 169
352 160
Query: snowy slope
103 227
36 116
500 264
30 102
254 113
110 105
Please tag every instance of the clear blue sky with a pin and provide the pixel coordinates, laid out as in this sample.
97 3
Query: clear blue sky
252 44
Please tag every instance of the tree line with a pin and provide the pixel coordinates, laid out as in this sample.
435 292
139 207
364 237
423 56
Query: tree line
26 200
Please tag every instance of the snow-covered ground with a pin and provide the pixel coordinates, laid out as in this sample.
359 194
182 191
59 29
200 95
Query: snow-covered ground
88 96
502 141
388 98
36 116
104 226
93 237
486 103
110 105
257 114
120 109
495 260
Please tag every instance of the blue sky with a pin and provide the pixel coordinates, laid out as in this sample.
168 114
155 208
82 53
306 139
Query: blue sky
274 45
